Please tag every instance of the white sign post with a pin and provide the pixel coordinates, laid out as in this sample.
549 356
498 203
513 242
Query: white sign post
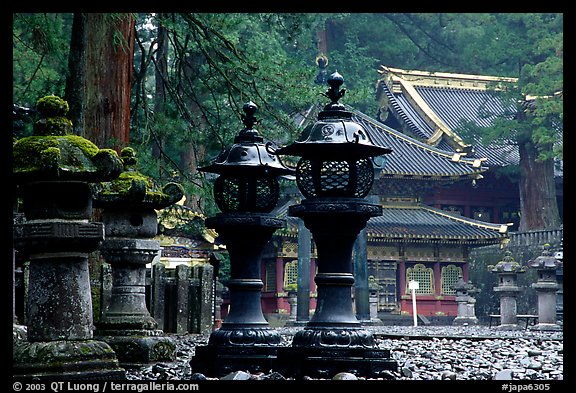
413 286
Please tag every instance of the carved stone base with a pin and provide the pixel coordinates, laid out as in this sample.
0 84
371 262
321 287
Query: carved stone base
134 348
67 360
465 321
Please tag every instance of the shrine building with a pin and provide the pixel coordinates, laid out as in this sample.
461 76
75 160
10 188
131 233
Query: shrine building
441 196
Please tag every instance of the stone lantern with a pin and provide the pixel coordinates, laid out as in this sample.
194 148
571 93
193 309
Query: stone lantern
52 170
129 205
546 286
334 173
246 191
466 303
507 270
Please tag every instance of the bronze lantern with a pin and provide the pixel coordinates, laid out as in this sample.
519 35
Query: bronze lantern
334 173
246 191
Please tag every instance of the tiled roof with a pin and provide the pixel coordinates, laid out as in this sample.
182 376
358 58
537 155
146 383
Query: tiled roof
426 103
418 223
411 158
414 159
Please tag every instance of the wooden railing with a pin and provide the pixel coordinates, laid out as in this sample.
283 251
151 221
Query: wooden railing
550 236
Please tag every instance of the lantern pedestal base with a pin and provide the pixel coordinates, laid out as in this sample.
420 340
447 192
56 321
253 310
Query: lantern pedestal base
334 341
298 362
65 360
142 347
244 342
218 361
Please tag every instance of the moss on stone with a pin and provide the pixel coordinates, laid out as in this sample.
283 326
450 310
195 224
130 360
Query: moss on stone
132 187
37 153
52 105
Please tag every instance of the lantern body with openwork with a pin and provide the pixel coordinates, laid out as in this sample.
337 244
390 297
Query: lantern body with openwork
246 194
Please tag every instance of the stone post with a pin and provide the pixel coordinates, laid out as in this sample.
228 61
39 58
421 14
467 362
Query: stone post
546 287
129 206
304 251
293 302
507 271
360 264
373 288
466 303
52 170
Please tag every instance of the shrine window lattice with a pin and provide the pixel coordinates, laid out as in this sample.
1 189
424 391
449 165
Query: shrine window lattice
449 276
270 283
291 274
425 277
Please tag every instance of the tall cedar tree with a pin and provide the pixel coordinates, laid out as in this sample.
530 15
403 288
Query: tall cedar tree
108 73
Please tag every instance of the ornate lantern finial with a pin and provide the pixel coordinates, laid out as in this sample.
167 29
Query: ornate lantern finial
248 171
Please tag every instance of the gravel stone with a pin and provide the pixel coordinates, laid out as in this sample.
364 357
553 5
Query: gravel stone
422 353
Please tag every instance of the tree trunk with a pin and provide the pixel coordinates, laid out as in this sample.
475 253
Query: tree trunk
109 60
160 93
75 80
538 203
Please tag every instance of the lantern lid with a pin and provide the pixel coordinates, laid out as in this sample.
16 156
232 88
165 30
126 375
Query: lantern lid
334 135
507 265
546 261
134 189
53 152
249 155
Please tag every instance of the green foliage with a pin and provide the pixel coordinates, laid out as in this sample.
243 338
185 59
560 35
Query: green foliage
217 62
39 55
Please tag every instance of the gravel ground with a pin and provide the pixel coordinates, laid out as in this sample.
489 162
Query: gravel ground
422 353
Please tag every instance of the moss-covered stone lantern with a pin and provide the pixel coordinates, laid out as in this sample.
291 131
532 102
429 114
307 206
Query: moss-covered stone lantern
546 286
52 170
507 270
129 205
246 191
334 173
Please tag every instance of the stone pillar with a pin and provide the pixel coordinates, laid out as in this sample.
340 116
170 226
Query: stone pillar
334 339
52 170
158 295
293 302
304 252
361 293
466 303
507 271
218 289
373 288
244 340
129 213
546 287
373 302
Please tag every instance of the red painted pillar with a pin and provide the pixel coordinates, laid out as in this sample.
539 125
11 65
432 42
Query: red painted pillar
437 286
